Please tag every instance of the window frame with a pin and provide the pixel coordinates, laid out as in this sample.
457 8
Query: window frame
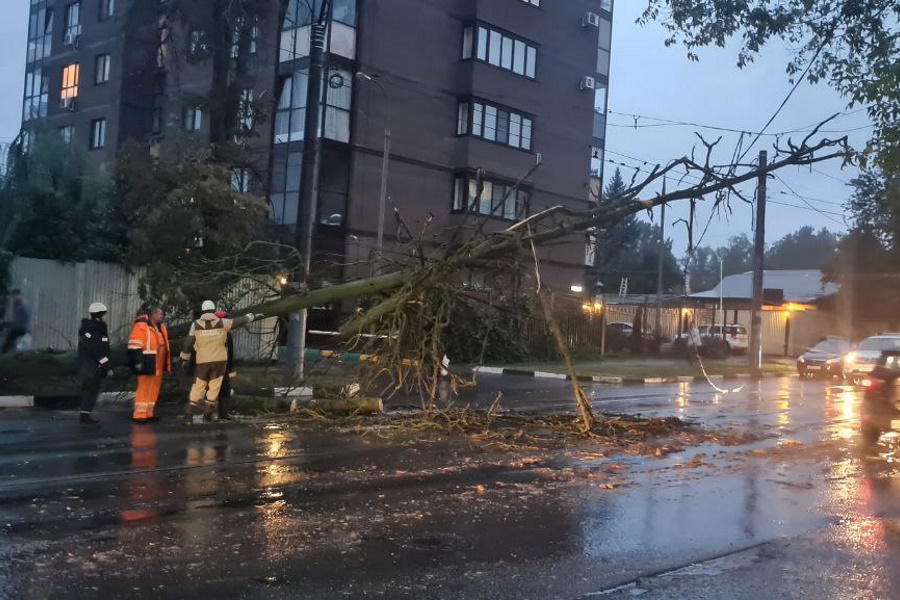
192 118
106 10
70 91
106 69
479 39
98 126
503 118
463 183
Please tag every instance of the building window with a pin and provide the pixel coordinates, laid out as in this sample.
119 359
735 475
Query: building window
101 69
156 121
495 123
107 8
37 86
240 181
296 29
40 34
500 49
596 161
73 23
198 45
162 51
98 134
532 2
603 46
69 81
245 111
193 118
499 200
606 5
599 129
290 120
67 133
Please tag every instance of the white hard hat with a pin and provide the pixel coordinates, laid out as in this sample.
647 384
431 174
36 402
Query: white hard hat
97 307
208 305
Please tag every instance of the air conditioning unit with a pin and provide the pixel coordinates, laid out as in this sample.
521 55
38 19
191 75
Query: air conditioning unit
71 39
588 83
590 20
67 103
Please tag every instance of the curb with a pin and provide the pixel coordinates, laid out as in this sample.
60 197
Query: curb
615 380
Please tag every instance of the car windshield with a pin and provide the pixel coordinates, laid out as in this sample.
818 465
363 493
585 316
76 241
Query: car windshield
881 343
832 346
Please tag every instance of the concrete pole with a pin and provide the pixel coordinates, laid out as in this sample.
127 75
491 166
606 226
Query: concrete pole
309 180
759 249
659 266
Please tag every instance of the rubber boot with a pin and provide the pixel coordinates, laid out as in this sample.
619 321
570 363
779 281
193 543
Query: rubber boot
208 412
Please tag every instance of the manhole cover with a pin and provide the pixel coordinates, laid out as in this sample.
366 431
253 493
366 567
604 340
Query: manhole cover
440 542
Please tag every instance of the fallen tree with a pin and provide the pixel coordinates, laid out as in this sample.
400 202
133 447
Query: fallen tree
417 292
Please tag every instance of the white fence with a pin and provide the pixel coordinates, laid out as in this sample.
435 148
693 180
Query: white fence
59 295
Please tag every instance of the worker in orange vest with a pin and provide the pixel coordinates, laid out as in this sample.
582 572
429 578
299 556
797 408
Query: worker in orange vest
148 347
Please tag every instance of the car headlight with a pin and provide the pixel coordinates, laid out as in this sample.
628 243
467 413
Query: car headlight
802 359
850 358
832 361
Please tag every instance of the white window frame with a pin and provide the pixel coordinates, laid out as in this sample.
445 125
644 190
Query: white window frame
102 68
98 134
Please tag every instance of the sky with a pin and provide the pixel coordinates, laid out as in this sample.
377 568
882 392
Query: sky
650 80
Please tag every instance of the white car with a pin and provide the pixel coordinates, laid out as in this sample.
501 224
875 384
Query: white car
861 361
736 336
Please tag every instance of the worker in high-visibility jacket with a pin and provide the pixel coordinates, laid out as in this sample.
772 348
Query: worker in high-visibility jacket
208 340
148 347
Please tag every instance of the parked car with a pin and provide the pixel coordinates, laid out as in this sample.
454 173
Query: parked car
860 362
825 359
620 327
736 338
881 399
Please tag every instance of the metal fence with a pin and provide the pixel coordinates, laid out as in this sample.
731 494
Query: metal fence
59 295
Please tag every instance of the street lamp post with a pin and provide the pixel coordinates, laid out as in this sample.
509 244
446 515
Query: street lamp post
385 158
722 293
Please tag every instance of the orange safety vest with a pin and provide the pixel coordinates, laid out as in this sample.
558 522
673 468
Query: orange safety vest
153 344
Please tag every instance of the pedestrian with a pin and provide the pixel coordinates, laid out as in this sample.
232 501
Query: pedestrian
148 347
208 339
694 343
93 359
224 403
20 324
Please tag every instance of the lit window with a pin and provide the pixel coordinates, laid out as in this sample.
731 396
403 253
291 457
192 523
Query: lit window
69 81
193 118
98 134
67 133
107 8
101 69
497 199
500 49
494 123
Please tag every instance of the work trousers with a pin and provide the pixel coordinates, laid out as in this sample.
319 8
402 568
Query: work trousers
147 394
207 385
90 390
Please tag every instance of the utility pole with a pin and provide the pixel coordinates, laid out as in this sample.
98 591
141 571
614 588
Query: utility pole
659 266
309 178
759 249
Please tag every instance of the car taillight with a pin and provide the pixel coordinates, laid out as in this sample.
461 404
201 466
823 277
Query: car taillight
870 383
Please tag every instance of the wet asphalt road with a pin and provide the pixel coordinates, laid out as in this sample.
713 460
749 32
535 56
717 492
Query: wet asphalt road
262 509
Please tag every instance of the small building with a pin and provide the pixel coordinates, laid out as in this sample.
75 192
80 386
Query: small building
794 301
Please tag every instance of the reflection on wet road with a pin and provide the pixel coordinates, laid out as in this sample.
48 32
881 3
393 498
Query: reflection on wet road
264 509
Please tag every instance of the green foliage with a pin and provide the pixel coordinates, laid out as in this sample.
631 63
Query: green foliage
852 45
804 249
492 333
638 260
55 207
188 229
866 262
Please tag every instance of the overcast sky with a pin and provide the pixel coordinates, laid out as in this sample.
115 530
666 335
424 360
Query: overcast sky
650 80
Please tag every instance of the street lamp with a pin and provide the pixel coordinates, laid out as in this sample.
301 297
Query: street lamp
382 198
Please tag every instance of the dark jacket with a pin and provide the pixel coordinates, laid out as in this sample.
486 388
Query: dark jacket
93 349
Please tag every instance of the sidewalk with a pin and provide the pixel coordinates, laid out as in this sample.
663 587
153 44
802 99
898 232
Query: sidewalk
644 371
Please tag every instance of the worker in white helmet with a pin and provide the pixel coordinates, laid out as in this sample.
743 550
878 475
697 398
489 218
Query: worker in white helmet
93 359
208 340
